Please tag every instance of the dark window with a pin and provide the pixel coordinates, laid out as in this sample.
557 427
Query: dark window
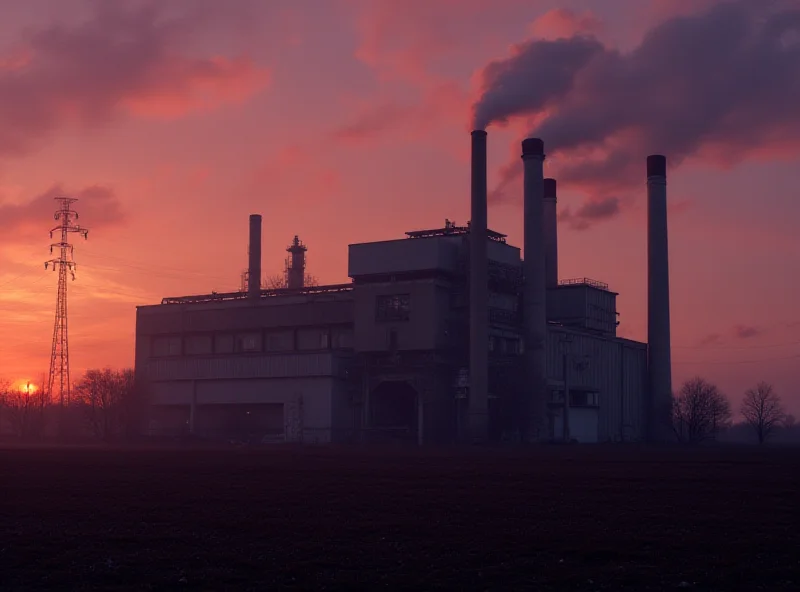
396 307
393 340
248 342
167 346
584 399
312 338
223 344
197 345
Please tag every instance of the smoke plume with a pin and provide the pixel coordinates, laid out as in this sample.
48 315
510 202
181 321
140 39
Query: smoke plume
719 84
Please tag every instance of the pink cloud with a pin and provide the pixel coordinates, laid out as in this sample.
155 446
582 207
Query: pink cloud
289 174
118 62
444 103
98 205
399 38
563 22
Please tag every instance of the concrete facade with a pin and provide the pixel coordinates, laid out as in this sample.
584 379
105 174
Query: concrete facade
385 356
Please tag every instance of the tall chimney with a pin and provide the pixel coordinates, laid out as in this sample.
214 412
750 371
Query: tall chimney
550 234
254 258
659 360
478 409
534 295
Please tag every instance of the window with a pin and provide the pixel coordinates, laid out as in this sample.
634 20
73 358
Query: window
248 342
584 399
280 341
166 346
312 338
223 344
198 345
393 340
342 338
396 307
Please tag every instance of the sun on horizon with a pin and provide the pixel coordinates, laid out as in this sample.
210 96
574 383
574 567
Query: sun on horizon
25 386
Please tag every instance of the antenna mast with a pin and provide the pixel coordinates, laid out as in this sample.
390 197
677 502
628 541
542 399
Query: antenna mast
59 356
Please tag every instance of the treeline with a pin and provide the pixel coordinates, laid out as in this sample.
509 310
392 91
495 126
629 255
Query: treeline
702 413
103 405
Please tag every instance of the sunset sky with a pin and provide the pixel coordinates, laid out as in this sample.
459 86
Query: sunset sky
346 121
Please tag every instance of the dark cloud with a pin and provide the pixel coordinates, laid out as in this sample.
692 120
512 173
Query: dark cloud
97 206
121 60
510 89
590 212
721 84
746 332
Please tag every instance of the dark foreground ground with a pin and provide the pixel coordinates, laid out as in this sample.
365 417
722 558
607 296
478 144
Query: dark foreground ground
314 519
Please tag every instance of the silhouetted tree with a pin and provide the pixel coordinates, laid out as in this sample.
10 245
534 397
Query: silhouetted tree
106 399
277 281
25 409
762 410
789 422
700 411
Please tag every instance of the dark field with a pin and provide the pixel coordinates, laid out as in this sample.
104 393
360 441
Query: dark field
560 518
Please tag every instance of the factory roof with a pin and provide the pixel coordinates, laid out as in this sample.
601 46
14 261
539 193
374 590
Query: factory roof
237 296
451 229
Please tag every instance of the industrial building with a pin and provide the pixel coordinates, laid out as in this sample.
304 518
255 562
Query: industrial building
449 334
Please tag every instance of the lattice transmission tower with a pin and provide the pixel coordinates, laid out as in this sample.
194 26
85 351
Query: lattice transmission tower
59 356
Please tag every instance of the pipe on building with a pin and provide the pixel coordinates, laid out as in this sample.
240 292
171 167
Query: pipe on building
254 258
534 296
478 402
550 234
659 360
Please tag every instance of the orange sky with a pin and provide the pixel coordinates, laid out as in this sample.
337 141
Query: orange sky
342 121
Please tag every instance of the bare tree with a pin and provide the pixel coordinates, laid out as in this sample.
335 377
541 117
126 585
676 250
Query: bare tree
25 409
700 411
105 396
762 410
277 281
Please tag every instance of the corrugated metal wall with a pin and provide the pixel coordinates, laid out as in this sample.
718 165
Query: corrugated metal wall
616 368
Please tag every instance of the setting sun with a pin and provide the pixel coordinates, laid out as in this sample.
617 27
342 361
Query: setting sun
25 386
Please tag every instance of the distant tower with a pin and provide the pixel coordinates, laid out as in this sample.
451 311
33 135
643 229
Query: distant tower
296 264
59 356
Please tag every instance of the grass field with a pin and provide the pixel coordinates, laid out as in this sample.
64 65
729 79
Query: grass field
556 518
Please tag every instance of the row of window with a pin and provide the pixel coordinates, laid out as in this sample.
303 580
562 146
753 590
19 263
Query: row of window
306 339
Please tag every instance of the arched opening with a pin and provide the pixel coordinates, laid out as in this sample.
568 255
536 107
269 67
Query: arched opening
395 410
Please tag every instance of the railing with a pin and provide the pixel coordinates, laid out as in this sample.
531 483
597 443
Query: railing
454 231
584 282
229 296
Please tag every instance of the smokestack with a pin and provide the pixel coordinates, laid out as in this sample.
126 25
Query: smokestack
296 266
534 296
659 360
478 295
254 257
550 234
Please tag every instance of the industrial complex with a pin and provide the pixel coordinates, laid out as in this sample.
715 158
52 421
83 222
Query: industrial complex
447 335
